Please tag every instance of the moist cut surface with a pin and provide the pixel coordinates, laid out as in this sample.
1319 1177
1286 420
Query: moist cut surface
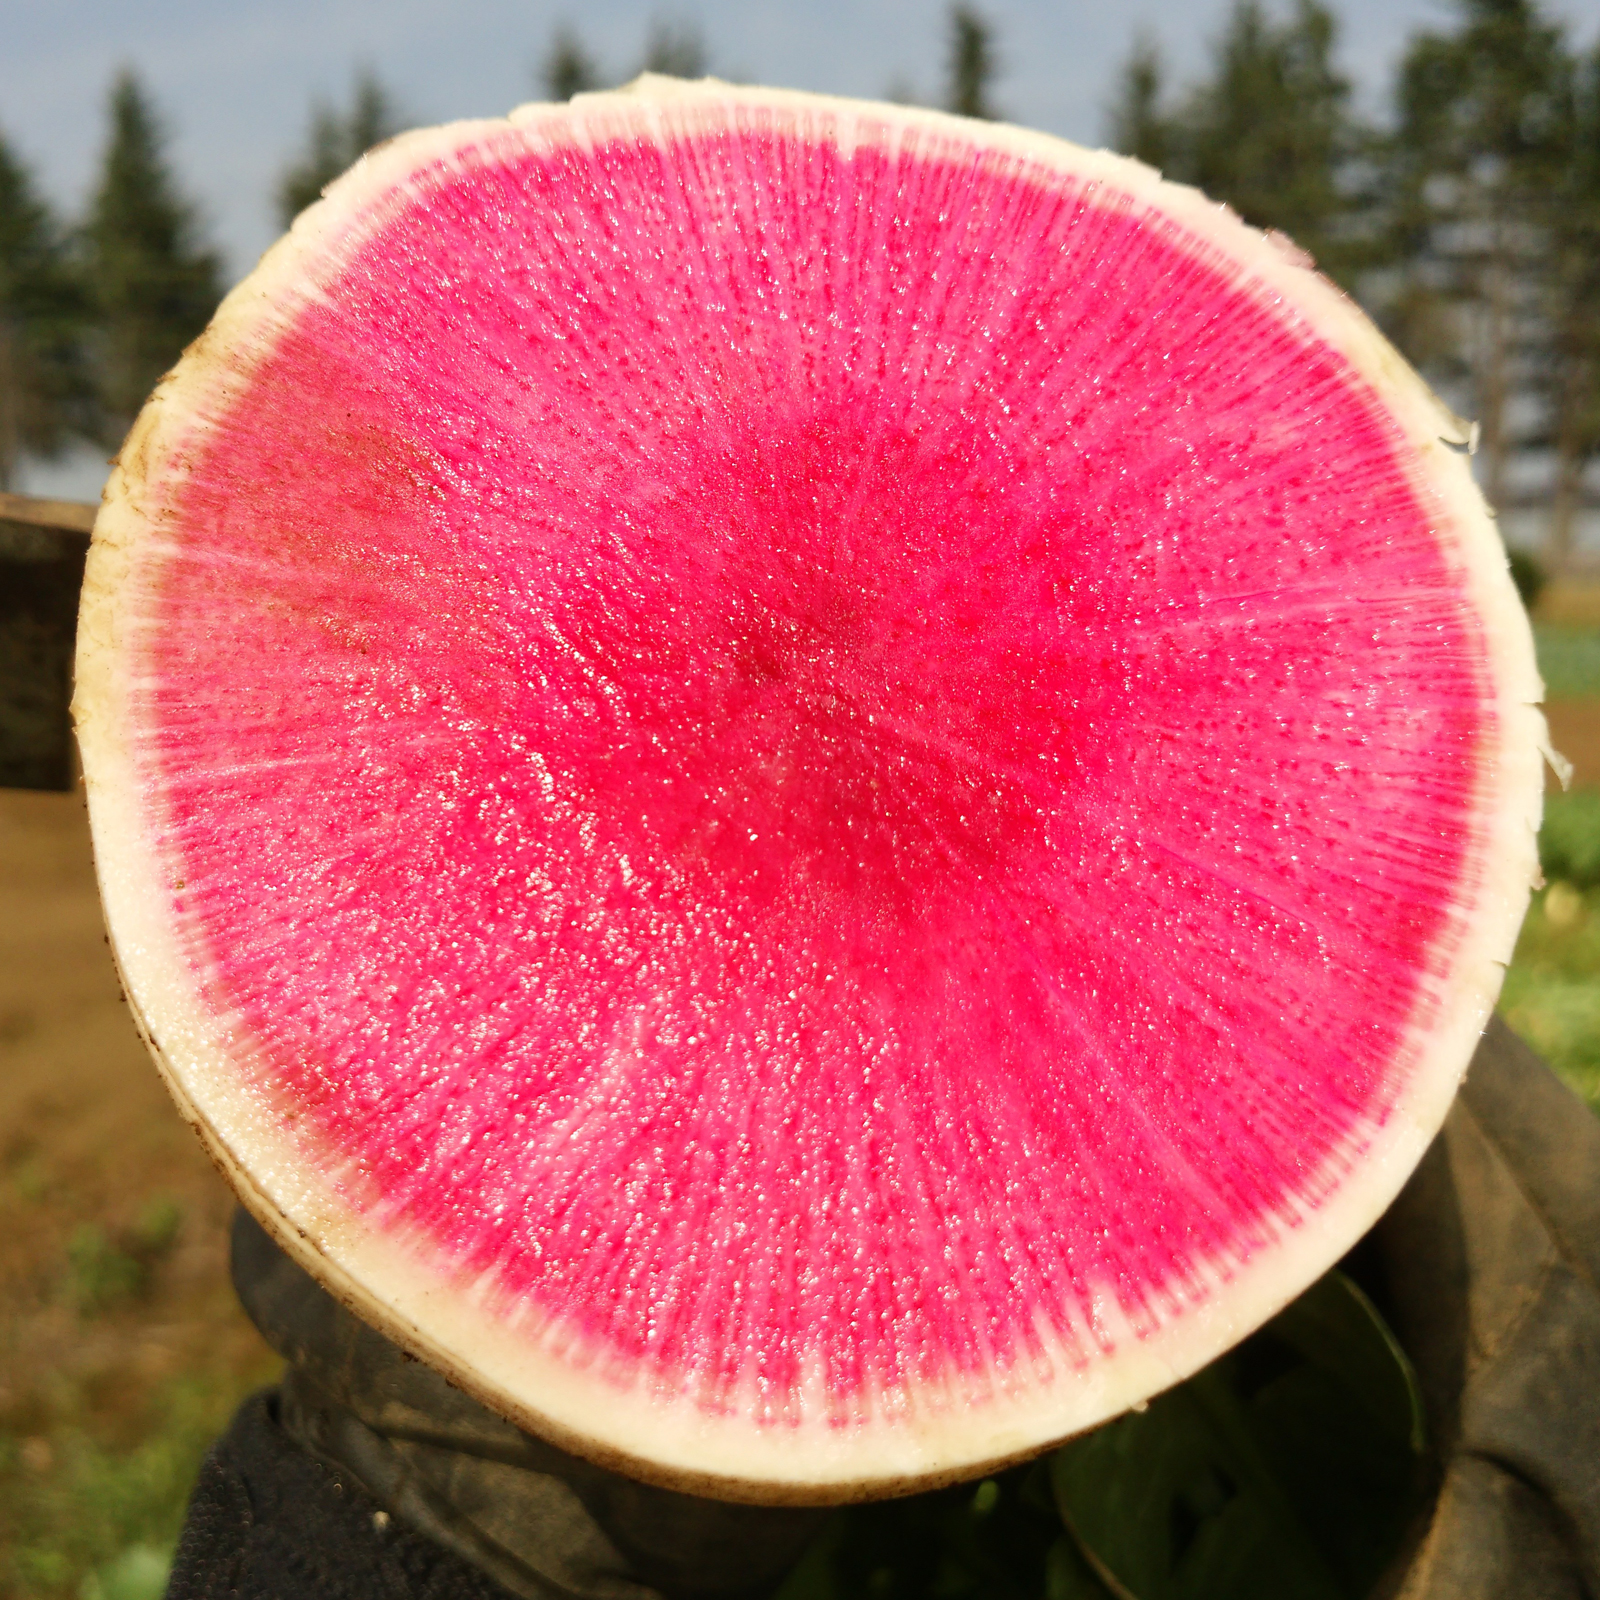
835 779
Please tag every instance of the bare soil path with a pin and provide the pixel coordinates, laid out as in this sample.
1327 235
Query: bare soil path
122 1349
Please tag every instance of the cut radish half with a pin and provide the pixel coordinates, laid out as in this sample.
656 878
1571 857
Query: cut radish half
813 791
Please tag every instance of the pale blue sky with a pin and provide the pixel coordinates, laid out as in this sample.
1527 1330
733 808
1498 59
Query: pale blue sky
235 81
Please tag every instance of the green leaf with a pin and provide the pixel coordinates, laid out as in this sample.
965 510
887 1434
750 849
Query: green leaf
813 1578
986 1541
1068 1575
139 1573
1286 1469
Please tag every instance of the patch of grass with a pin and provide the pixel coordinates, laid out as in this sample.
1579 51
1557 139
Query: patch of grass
104 1268
99 1273
1552 988
156 1229
91 1522
139 1573
1569 659
1569 841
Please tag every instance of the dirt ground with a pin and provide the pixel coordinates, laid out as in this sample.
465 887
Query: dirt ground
116 1320
1575 732
1575 602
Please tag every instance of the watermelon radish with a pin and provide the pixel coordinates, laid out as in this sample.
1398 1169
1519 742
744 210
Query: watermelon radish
813 791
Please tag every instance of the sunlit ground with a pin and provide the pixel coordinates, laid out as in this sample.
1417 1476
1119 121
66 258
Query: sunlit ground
122 1351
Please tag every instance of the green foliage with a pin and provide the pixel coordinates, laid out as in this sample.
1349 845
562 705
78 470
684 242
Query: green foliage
336 141
1272 132
1139 127
99 1272
1269 130
972 64
1528 573
991 1541
156 1229
101 1521
1569 660
1570 373
1478 143
1471 229
1569 841
138 1573
46 393
1288 1468
1472 175
1550 995
154 286
672 49
104 1269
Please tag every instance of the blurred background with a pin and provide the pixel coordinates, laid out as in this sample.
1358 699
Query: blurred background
1439 158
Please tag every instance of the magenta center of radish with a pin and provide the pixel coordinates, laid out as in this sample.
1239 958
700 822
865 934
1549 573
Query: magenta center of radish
815 767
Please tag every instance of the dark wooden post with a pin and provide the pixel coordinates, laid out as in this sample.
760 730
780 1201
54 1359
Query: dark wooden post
42 548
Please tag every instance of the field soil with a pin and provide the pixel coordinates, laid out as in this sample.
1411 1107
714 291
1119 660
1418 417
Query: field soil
122 1349
1575 732
1572 601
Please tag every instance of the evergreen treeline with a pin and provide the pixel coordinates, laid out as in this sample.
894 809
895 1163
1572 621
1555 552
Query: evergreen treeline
1469 225
1467 222
338 139
91 317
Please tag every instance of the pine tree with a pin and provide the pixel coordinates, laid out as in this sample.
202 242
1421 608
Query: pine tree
972 64
46 396
1473 170
1269 130
152 284
1572 371
1272 134
337 140
1138 126
568 68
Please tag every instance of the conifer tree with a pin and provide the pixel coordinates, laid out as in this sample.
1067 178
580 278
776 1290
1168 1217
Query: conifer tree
153 285
568 67
1474 168
1138 125
45 393
1571 375
337 140
1271 133
972 64
1269 130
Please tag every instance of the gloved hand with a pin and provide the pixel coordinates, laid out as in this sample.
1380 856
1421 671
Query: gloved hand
367 1475
1491 1266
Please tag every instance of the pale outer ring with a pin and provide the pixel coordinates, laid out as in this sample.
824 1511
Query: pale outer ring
666 1438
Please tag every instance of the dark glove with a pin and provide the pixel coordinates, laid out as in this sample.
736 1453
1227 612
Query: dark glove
1491 1257
367 1474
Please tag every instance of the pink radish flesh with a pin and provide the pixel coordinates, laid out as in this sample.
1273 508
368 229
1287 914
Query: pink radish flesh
811 764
